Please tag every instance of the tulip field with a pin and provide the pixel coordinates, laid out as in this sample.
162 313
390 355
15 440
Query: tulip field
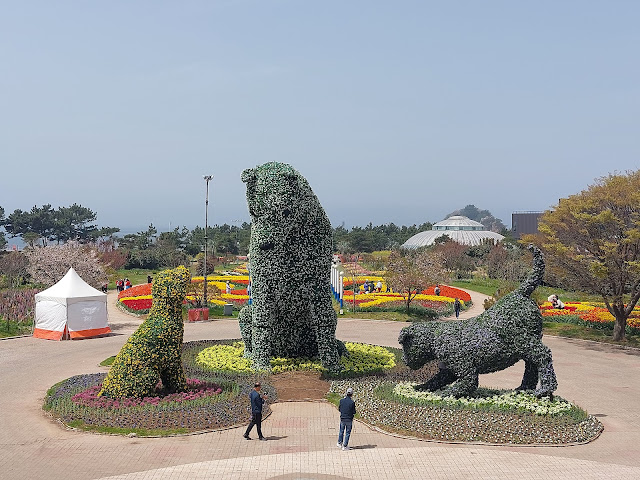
592 314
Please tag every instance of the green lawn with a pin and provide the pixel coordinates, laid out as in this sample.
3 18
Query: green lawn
568 330
487 286
13 329
136 276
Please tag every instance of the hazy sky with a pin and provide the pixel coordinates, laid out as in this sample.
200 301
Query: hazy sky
394 111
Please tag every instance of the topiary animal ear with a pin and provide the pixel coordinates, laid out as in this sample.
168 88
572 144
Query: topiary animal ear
249 175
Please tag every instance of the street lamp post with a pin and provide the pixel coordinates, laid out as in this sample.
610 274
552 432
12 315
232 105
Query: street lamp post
207 179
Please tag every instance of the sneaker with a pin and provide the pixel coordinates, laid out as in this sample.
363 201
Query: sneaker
247 437
346 448
339 445
263 439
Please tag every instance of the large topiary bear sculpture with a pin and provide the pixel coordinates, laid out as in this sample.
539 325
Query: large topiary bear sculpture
154 351
290 263
509 331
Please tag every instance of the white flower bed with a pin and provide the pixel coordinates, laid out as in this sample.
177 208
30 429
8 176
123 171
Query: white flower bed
508 400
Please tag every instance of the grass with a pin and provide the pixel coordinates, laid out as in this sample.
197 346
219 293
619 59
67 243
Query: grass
487 286
136 276
568 330
140 432
13 329
107 362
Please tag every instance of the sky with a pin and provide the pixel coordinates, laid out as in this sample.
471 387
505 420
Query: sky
394 111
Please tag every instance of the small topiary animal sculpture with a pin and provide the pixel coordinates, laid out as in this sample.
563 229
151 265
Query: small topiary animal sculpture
290 264
154 351
509 331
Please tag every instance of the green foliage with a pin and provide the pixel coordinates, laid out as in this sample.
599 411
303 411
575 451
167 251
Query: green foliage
371 238
10 328
594 240
46 224
107 362
154 350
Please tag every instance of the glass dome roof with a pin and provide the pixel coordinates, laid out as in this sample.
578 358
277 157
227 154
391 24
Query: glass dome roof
460 229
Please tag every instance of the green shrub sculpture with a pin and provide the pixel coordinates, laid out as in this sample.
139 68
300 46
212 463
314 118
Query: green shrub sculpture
290 265
153 352
509 331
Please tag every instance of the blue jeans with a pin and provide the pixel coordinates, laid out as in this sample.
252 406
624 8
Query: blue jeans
345 425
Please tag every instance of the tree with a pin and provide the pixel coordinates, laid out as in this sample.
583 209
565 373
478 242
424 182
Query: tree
14 266
3 240
455 258
74 223
592 242
410 272
49 264
483 216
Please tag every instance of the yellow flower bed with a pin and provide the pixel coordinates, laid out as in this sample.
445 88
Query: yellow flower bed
221 278
362 359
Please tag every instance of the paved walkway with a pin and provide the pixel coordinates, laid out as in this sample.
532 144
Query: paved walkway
600 378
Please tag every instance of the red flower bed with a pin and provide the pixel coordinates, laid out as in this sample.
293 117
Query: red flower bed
138 303
451 292
137 291
195 389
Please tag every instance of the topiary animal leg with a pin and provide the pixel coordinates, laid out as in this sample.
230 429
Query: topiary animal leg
465 385
541 355
441 379
245 320
324 324
530 377
261 344
173 378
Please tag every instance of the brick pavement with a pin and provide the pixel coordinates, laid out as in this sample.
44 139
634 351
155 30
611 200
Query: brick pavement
602 379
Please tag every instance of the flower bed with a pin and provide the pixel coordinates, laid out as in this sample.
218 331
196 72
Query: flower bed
486 399
427 302
510 418
591 314
206 405
362 360
138 298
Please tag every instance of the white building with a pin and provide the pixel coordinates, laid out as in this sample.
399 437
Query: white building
460 229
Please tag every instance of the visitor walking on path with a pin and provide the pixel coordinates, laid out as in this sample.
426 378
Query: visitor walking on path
347 411
456 307
257 400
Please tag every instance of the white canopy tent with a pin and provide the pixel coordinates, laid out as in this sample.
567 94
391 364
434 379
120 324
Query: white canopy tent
71 309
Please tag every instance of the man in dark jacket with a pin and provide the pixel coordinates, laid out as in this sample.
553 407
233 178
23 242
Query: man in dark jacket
347 411
257 401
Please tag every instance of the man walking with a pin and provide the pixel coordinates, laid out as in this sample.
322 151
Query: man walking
456 307
347 411
257 400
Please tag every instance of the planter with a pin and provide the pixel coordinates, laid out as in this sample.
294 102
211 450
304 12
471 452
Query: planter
198 314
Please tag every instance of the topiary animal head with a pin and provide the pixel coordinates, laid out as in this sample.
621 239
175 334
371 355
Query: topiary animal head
278 198
417 345
170 286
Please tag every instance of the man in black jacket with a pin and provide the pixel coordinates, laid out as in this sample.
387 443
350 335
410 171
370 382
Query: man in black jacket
347 411
257 401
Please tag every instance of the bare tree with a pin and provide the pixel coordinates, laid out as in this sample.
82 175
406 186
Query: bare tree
49 264
408 272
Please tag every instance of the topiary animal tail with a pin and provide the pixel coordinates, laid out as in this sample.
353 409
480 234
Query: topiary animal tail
535 277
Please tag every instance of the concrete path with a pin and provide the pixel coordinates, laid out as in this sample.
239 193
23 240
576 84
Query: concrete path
600 378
